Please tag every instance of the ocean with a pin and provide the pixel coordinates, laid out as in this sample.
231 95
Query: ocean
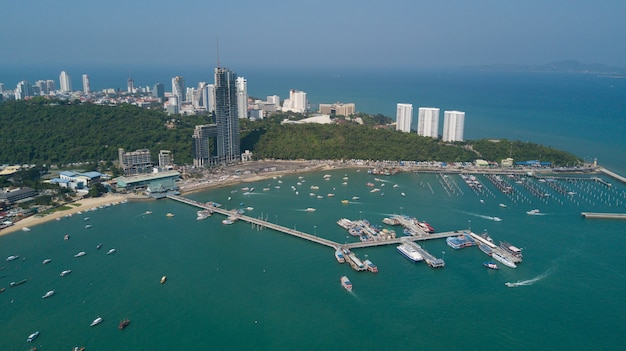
238 287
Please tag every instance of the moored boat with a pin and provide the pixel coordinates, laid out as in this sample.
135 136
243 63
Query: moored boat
409 251
339 256
32 336
96 321
13 257
46 261
123 323
345 282
503 259
370 266
485 248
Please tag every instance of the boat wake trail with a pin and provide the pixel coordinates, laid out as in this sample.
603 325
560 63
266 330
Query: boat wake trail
496 219
529 281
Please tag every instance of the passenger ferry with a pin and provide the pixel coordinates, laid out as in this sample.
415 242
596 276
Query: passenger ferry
408 250
345 282
502 259
486 249
339 256
517 252
370 266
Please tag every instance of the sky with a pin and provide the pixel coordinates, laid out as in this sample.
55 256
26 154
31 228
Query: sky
320 33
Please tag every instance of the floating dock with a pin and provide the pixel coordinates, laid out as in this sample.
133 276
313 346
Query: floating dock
598 215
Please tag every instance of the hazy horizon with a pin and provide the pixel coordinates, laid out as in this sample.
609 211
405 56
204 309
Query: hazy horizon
355 34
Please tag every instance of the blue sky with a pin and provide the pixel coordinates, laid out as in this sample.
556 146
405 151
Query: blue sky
323 33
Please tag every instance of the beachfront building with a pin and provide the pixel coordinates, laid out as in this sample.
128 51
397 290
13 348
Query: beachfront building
337 109
17 195
428 122
65 82
135 162
404 115
226 116
158 183
297 102
453 125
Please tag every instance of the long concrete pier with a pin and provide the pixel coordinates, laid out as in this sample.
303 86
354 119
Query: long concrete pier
599 215
612 174
303 235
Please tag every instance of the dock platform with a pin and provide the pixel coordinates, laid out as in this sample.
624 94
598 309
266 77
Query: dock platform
599 215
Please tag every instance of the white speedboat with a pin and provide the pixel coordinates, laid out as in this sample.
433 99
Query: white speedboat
80 254
13 257
533 212
32 336
64 273
96 321
46 261
48 294
111 251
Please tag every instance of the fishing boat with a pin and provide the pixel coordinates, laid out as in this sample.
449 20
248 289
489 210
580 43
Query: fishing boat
123 323
48 294
32 336
490 265
370 266
345 282
96 321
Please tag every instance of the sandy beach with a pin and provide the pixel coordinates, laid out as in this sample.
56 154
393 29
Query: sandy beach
76 207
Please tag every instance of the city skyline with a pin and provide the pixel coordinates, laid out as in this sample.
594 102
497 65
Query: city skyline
356 33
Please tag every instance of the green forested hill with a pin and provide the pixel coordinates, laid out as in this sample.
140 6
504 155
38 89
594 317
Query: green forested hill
55 132
41 131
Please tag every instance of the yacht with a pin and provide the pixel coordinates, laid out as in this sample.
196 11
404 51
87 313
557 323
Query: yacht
96 321
111 251
48 294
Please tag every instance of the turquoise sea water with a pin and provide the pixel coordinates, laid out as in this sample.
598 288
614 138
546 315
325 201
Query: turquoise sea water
237 287
234 287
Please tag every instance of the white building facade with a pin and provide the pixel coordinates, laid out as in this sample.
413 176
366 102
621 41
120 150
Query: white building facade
242 97
86 84
297 102
65 82
453 125
428 122
404 115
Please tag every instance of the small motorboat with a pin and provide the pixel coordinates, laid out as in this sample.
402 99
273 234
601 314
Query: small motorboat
48 294
32 336
46 261
111 251
490 265
98 246
123 323
345 282
64 273
66 237
163 279
96 321
13 257
80 254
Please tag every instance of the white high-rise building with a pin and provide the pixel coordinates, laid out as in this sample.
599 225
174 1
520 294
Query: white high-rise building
428 122
23 90
86 85
404 115
50 86
273 100
296 102
178 88
242 97
453 125
65 82
208 98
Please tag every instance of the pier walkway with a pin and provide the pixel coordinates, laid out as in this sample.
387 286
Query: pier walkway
306 236
257 221
612 174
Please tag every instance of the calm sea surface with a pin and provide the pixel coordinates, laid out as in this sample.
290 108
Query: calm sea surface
236 287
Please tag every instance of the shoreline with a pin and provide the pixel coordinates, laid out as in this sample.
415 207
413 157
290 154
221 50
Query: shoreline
85 204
